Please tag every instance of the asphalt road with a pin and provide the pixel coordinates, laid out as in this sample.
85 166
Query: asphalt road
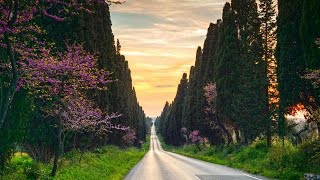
162 165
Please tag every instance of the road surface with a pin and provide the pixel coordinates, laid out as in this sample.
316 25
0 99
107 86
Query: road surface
158 164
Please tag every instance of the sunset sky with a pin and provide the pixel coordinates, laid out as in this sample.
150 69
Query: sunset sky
159 39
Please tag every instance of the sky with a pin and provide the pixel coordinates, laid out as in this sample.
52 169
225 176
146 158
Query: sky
159 39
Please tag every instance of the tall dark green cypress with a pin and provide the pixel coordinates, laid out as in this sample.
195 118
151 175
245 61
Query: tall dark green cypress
226 63
201 74
250 99
268 28
190 106
175 115
162 118
310 31
289 54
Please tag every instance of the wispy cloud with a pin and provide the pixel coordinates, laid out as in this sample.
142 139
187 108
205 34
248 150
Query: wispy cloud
165 86
159 39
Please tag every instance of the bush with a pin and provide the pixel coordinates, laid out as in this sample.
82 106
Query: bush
311 149
33 171
25 167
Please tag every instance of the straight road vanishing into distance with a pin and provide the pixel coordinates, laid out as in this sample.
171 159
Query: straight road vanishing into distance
162 165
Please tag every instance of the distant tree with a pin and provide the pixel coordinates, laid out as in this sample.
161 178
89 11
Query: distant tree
175 115
191 111
163 118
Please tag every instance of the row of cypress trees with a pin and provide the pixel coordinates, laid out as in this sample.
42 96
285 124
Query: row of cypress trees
257 61
29 129
94 31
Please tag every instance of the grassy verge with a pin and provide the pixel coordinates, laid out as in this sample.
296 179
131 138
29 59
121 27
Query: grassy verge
288 163
110 162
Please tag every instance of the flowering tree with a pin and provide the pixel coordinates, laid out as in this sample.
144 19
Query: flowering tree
18 35
210 92
195 138
63 80
130 137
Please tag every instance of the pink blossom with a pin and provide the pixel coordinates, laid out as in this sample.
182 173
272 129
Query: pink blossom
195 137
211 95
130 137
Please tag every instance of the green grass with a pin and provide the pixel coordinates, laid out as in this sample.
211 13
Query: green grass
109 163
292 163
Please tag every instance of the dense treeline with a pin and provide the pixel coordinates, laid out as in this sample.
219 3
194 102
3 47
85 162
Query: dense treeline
96 34
28 127
253 70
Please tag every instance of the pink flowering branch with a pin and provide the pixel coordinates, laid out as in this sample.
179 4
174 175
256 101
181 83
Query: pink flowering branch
81 115
196 139
214 120
129 138
210 92
64 74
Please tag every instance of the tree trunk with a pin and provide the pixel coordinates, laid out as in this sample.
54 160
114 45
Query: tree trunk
268 134
236 129
9 93
246 141
58 150
74 141
224 129
87 147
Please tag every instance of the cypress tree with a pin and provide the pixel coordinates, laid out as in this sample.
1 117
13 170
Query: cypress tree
289 54
162 118
310 31
250 100
225 65
175 115
268 27
191 114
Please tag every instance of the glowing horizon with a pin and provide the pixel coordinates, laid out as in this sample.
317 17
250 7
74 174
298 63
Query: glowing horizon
159 39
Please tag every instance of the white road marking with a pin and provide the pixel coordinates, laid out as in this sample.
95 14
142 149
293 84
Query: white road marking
252 176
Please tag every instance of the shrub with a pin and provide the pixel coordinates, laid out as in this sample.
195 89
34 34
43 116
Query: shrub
24 164
311 149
